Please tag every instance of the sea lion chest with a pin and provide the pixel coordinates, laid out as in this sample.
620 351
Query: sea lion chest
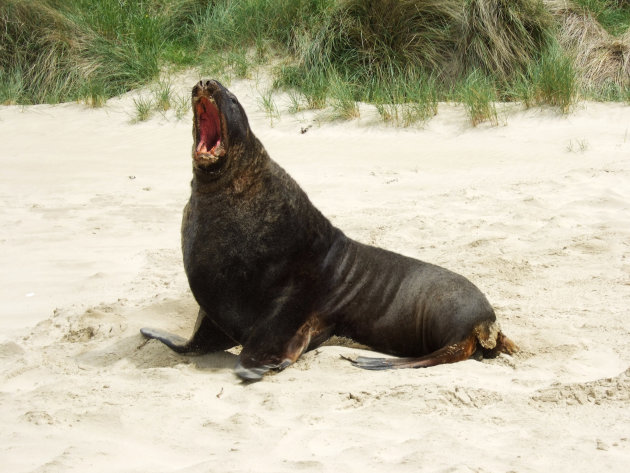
243 250
222 244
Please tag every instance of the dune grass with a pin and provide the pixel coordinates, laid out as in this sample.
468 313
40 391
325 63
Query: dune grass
144 108
268 104
402 56
478 94
552 80
501 38
613 15
473 50
77 49
601 59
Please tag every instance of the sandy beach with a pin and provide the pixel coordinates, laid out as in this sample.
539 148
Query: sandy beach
535 212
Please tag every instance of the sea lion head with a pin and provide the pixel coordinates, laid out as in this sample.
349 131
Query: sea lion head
220 129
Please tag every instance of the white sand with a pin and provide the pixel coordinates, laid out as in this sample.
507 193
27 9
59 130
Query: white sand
536 212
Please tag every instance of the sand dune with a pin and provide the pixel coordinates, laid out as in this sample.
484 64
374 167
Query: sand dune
536 212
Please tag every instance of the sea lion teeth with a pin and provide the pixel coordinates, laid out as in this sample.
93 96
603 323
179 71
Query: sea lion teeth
218 150
208 157
272 274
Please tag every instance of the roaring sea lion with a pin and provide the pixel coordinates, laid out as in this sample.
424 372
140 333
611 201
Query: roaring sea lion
272 274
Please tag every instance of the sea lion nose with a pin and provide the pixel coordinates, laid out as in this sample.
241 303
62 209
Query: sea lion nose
207 87
211 86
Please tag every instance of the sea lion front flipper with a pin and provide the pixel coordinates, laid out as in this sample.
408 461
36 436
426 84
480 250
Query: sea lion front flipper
256 373
206 338
252 364
174 342
265 351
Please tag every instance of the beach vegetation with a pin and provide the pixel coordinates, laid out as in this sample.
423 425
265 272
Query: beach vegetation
344 105
268 105
601 59
181 105
144 108
297 102
401 56
163 96
552 80
613 15
478 94
577 146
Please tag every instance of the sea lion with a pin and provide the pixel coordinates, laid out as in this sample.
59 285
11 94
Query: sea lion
272 274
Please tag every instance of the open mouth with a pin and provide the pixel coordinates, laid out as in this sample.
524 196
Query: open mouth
209 147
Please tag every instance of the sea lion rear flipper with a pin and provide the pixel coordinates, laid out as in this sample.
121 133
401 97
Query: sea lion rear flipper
449 354
503 345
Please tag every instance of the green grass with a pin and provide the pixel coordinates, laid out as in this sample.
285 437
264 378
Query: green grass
144 109
611 93
60 50
554 80
163 96
297 102
614 15
181 105
343 97
406 99
402 56
161 100
386 49
268 105
11 86
550 80
80 49
478 94
501 37
365 40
